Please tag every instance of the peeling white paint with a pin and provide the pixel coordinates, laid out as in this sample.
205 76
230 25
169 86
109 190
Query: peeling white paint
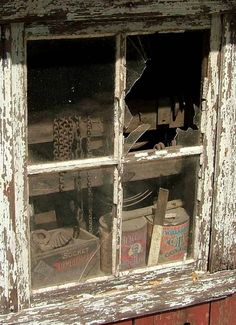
140 295
208 156
77 10
224 227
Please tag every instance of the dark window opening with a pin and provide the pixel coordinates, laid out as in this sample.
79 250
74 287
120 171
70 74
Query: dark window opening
164 73
70 98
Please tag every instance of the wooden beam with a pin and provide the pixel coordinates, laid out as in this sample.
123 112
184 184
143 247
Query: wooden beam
135 25
71 10
223 250
14 255
210 95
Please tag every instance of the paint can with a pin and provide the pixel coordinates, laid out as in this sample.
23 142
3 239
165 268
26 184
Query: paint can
175 235
133 243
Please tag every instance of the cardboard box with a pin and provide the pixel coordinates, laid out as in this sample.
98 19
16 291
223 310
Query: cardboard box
79 259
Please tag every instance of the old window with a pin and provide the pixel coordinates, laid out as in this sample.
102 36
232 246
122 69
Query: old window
117 158
114 147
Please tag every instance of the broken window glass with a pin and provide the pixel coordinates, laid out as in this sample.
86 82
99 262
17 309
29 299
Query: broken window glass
70 98
163 89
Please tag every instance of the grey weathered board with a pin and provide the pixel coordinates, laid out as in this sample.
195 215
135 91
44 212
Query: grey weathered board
158 220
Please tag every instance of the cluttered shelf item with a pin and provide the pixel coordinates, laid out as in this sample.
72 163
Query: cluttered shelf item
138 232
79 204
61 254
87 135
72 211
68 205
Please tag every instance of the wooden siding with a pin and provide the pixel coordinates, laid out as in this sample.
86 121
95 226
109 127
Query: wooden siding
220 312
70 10
149 291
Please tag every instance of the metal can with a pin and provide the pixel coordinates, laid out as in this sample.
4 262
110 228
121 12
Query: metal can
175 235
133 244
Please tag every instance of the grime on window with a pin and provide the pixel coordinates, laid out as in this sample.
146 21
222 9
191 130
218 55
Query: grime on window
134 204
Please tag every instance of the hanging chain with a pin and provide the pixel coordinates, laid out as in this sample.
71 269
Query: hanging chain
67 145
64 130
89 187
78 153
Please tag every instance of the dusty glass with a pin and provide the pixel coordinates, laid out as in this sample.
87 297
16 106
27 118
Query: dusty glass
66 213
70 99
159 205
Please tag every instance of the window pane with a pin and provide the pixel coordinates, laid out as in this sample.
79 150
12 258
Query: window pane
163 87
70 98
143 186
65 216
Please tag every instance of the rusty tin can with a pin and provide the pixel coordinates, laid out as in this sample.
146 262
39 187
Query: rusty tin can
133 244
174 242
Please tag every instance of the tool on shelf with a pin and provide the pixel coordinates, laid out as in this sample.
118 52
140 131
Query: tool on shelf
159 216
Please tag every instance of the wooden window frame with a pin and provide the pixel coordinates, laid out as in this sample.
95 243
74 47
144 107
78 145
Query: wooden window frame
146 290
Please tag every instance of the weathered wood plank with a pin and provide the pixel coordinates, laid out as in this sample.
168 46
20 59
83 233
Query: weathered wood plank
157 229
108 27
223 311
195 315
14 277
120 82
71 165
124 322
18 93
130 278
131 301
8 290
145 320
208 129
75 10
223 250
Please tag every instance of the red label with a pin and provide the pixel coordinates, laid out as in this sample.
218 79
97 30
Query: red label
133 250
174 243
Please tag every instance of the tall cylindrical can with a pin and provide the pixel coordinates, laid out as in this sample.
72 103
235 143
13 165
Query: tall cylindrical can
133 243
175 234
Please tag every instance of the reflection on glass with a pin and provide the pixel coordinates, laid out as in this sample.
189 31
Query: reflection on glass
163 88
158 230
66 216
70 98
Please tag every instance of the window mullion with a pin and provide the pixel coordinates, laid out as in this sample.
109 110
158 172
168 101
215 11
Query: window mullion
71 165
118 150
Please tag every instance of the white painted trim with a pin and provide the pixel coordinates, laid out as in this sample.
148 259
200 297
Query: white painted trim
71 165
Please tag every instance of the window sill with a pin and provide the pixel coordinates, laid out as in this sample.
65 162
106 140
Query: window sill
143 296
